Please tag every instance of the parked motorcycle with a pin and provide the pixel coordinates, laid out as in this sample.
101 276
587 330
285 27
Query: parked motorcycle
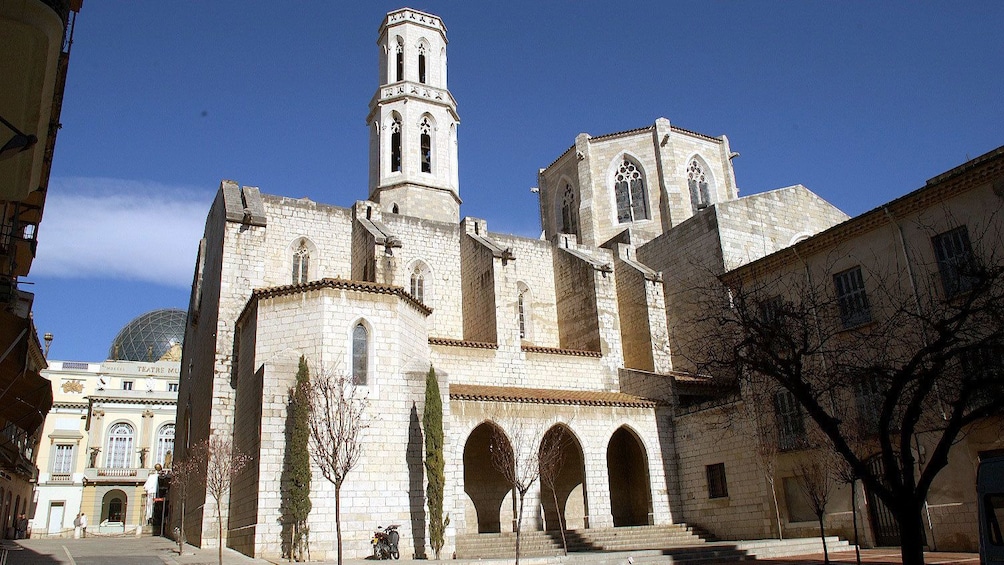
385 542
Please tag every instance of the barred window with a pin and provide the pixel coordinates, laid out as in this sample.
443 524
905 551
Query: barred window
717 486
790 421
955 261
868 399
851 297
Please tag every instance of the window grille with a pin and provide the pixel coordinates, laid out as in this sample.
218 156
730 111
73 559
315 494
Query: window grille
790 421
955 261
851 297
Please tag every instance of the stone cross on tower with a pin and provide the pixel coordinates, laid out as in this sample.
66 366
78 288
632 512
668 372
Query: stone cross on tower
413 121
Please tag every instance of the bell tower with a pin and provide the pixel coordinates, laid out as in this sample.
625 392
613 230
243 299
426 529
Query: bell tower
413 121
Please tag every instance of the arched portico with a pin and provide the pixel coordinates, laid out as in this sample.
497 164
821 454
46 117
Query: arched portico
483 483
627 470
114 505
562 479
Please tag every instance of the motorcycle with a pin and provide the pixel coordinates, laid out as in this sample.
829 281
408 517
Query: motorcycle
385 542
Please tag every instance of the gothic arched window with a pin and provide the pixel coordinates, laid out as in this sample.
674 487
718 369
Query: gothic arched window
399 59
119 451
569 212
165 445
418 284
697 180
421 63
360 354
426 128
629 191
301 263
395 144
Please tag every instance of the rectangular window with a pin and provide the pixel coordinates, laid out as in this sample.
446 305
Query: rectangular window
62 461
955 261
126 385
172 387
790 421
717 487
868 399
851 297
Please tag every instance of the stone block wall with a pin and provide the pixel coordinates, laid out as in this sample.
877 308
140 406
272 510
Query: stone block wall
578 322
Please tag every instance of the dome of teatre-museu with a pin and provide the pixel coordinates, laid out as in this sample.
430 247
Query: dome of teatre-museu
154 336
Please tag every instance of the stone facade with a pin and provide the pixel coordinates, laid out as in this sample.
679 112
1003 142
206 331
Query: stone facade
590 330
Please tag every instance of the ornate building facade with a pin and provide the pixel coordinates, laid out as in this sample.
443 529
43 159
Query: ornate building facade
111 425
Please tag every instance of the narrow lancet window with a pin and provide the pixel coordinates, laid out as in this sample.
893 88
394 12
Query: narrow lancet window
301 263
426 129
399 60
395 145
421 64
360 355
569 212
418 284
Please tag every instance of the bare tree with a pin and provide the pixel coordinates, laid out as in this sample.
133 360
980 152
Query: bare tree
551 458
337 422
515 456
222 462
184 474
816 477
876 372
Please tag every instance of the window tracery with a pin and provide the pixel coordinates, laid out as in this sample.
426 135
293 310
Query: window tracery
301 263
697 180
569 212
629 191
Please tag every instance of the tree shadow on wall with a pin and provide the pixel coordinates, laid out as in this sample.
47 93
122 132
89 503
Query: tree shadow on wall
416 481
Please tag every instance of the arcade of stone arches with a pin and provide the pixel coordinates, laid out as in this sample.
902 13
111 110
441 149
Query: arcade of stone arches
492 497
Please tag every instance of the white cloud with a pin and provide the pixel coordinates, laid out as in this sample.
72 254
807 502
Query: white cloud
121 229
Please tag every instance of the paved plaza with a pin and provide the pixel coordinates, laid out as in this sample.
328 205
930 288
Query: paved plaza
161 551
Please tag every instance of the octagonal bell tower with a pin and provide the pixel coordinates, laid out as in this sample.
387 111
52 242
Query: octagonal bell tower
413 121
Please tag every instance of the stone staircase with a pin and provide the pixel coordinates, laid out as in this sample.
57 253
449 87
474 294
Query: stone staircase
669 544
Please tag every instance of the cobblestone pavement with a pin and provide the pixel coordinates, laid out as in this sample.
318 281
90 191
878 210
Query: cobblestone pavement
161 551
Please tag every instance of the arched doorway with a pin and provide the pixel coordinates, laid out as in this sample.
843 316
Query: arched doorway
114 506
483 483
562 479
627 468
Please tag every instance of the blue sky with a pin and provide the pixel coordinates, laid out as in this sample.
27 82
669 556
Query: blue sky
859 101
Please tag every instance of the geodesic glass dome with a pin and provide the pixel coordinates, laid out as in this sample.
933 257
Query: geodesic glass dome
149 336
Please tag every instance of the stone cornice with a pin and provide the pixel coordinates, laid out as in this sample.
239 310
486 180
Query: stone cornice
462 343
483 393
560 351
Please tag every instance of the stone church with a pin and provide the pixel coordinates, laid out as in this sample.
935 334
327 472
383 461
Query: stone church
580 330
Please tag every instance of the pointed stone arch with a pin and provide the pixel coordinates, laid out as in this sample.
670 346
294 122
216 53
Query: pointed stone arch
569 501
483 483
628 478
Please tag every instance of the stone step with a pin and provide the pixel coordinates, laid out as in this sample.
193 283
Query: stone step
772 548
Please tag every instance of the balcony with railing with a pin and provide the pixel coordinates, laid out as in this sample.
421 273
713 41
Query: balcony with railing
116 474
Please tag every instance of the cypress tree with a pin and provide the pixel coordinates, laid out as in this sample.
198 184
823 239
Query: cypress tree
299 504
432 421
